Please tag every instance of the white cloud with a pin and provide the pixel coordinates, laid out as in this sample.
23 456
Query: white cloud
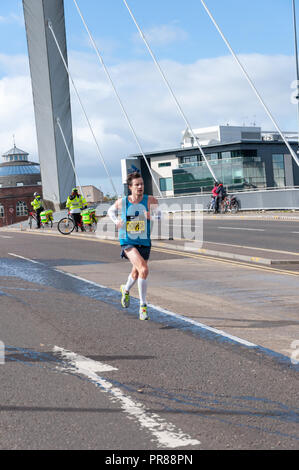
12 18
163 35
211 91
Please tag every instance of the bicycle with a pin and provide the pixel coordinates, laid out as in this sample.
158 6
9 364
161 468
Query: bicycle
230 204
66 225
46 218
32 216
211 205
89 220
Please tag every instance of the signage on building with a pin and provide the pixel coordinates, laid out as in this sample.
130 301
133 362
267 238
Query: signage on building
128 166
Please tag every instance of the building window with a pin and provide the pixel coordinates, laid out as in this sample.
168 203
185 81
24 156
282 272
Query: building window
160 165
20 184
212 156
166 184
191 159
225 155
21 209
1 211
278 170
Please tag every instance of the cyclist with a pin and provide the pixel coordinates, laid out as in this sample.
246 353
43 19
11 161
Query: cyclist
37 205
75 203
134 237
221 195
214 194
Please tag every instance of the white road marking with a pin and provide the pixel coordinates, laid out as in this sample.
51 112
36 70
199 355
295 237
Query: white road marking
160 309
166 434
205 327
23 257
243 228
5 236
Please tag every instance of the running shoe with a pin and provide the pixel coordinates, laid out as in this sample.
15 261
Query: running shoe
143 312
125 297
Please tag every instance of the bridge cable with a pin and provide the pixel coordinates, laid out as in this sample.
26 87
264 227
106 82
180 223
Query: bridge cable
68 152
297 65
250 83
170 90
78 96
116 93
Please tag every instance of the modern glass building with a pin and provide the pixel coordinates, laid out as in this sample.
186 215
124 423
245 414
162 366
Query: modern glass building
242 159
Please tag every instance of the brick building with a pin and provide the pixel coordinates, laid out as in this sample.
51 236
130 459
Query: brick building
19 180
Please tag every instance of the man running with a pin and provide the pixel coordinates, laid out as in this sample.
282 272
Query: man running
134 237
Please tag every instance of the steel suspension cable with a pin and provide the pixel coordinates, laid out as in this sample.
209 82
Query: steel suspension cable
80 101
170 89
296 58
116 94
250 82
68 152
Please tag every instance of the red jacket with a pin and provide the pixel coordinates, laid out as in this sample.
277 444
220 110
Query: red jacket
214 191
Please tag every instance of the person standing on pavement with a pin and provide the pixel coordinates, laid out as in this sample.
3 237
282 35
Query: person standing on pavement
37 205
214 194
75 203
134 237
221 194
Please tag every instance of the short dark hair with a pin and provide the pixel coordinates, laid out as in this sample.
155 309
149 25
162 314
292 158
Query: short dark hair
133 176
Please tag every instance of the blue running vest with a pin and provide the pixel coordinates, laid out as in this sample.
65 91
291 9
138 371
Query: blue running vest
136 229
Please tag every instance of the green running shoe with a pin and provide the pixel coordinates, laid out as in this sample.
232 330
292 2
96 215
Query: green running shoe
125 297
143 312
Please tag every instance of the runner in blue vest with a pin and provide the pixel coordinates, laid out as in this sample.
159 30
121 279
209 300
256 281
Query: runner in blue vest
134 237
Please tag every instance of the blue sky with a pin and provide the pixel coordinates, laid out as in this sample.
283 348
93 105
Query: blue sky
194 58
263 26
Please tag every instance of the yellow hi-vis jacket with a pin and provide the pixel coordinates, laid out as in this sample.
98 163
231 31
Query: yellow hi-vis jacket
37 204
75 204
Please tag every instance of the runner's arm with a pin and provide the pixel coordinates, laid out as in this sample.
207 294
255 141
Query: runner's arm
113 212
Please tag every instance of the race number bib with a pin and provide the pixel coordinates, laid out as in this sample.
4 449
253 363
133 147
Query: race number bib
136 226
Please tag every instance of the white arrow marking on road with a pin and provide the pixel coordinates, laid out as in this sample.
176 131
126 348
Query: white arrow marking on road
166 434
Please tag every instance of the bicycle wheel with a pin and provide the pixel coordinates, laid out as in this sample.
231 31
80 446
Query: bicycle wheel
66 226
235 207
30 221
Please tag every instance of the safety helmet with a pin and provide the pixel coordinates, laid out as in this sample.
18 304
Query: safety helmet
35 194
74 190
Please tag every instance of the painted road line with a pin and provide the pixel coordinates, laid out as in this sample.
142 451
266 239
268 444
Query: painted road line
242 264
166 434
243 228
5 236
159 309
185 320
26 259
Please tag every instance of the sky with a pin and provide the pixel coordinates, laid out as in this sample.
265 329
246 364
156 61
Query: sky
205 79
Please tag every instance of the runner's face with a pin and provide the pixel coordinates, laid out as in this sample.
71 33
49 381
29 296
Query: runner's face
137 187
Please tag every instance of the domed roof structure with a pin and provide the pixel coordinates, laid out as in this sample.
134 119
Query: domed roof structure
17 170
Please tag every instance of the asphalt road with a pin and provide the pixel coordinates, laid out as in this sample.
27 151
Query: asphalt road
276 235
269 234
79 372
